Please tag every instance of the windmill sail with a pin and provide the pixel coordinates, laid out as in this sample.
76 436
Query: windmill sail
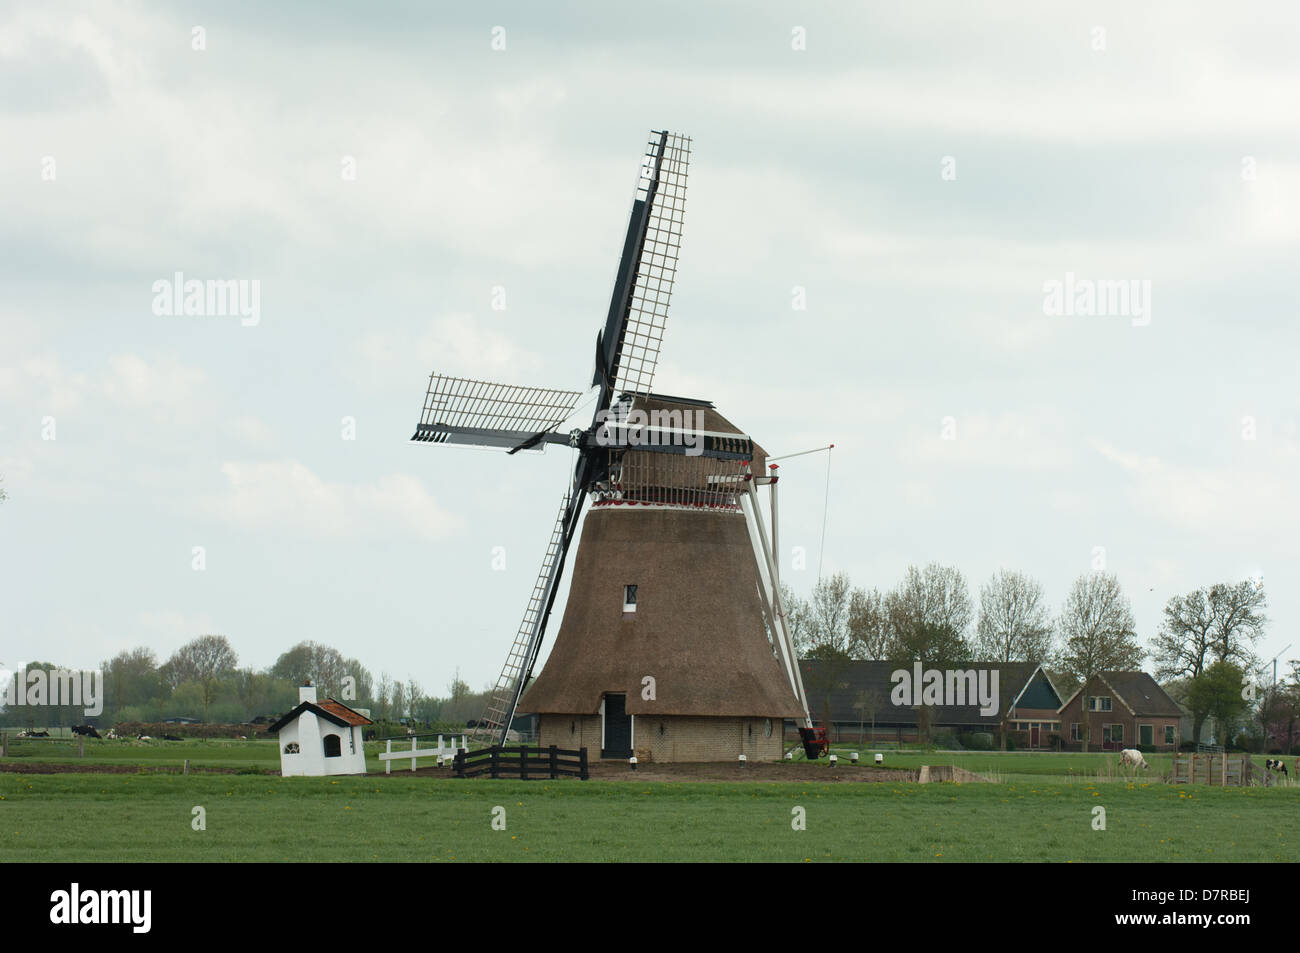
627 351
504 697
459 410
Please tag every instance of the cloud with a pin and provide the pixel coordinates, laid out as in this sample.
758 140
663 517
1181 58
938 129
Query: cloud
134 381
270 496
1251 497
459 345
1014 441
40 382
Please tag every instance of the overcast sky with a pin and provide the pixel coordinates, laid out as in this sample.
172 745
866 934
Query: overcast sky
921 171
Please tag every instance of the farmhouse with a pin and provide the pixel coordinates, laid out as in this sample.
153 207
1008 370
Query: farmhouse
1125 710
850 695
318 739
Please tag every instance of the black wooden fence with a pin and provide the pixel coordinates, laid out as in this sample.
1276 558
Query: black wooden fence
523 762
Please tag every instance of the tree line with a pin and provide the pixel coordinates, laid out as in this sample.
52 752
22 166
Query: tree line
1204 651
203 679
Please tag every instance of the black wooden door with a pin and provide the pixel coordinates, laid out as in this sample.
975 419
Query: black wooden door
618 728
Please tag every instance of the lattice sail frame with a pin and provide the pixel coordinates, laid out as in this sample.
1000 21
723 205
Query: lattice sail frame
653 289
458 409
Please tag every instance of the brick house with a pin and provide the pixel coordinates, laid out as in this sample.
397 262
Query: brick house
1125 710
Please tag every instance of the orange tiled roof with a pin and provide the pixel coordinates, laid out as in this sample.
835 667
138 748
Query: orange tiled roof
340 710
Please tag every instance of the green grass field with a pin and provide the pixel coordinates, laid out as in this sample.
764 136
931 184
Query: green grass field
1042 810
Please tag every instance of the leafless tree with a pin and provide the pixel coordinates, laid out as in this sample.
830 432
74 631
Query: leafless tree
399 699
414 695
928 616
867 703
828 615
1239 620
869 631
1015 624
1221 622
935 599
1098 633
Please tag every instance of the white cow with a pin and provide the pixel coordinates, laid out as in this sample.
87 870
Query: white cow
1131 757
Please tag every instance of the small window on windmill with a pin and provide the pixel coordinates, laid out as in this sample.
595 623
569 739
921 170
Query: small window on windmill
629 599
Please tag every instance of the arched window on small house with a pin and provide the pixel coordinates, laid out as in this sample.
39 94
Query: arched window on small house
291 748
332 746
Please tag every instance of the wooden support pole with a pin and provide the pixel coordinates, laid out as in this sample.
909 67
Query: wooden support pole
4 744
555 757
186 768
523 762
81 746
388 763
496 761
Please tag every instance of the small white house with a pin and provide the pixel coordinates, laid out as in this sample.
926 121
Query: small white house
318 739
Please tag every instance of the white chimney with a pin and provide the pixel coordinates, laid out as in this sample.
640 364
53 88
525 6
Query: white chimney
307 693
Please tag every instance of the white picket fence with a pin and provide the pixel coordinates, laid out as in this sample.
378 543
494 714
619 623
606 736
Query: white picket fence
444 754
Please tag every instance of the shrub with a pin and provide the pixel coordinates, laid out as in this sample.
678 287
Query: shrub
977 741
946 739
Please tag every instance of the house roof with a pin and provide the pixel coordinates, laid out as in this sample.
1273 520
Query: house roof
343 711
1138 692
838 686
332 711
1038 690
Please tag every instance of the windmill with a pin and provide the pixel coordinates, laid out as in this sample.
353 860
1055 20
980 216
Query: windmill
674 530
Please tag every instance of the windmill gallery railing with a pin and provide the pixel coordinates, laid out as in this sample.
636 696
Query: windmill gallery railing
669 480
523 762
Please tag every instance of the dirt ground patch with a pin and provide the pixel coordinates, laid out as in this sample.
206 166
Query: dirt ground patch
794 772
798 772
